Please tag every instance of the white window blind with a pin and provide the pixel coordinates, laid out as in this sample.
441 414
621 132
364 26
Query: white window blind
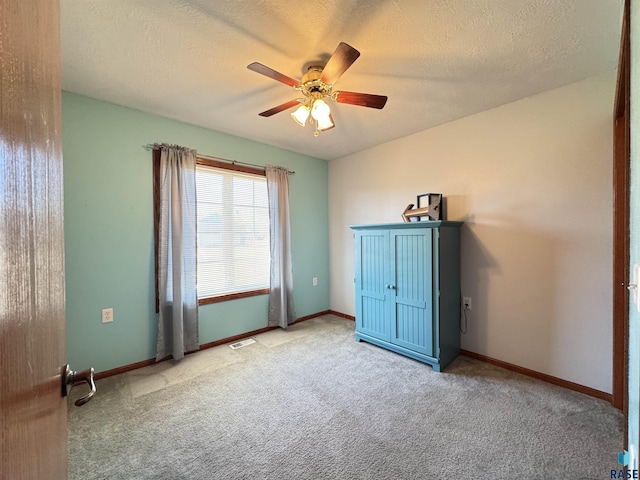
233 232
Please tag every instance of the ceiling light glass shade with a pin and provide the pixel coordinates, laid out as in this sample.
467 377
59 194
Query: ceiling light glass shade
325 123
320 109
300 115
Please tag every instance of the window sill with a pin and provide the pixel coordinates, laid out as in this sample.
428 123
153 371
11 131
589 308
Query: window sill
232 296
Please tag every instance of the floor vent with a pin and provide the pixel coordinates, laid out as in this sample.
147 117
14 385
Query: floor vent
242 343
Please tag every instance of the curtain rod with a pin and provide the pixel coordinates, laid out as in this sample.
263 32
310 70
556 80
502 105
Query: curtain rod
152 146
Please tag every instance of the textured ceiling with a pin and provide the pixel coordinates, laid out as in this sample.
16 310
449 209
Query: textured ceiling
436 60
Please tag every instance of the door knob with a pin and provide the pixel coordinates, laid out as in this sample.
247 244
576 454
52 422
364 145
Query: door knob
70 379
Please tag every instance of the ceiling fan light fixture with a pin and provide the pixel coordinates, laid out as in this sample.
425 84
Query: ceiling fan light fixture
320 110
300 115
325 123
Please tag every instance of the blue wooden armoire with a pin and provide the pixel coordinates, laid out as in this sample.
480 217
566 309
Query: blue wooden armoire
407 278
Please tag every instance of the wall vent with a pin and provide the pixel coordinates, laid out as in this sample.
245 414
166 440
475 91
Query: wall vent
242 343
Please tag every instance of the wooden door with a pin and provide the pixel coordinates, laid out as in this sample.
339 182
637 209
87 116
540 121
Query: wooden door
412 281
33 414
621 206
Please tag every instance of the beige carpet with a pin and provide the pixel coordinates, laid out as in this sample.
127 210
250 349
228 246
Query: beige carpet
311 403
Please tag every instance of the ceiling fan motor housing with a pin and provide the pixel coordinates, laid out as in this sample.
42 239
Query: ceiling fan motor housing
311 84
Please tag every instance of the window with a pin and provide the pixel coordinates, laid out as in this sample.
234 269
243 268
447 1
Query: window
233 231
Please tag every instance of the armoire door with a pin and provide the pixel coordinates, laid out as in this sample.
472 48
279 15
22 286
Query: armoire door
372 292
412 281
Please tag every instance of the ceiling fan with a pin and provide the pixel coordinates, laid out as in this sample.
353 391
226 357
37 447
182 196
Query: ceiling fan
317 86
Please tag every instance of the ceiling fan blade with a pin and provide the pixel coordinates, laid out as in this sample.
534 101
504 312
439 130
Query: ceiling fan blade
279 108
361 99
271 73
341 59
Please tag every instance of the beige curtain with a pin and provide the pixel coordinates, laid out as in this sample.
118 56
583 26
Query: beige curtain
178 299
281 308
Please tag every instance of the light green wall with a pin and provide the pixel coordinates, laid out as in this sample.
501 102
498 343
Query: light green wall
109 231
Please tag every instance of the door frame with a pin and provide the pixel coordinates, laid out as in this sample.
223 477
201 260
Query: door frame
621 169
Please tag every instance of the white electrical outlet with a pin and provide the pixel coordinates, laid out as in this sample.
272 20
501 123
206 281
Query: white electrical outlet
466 303
107 315
314 280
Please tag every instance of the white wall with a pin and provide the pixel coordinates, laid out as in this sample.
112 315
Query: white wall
532 180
